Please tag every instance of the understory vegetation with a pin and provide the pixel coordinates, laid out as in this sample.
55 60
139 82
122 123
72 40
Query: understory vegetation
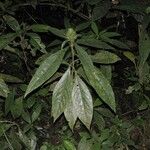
74 75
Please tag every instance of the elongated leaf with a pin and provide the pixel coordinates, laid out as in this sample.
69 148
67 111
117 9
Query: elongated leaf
46 28
94 43
10 78
144 50
97 79
12 22
3 88
69 145
130 56
45 71
94 28
105 57
82 26
116 43
6 39
17 107
109 34
57 32
9 102
36 112
81 104
61 94
39 28
36 42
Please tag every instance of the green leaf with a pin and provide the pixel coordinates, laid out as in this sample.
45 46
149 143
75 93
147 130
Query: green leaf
6 39
39 28
3 88
12 22
4 127
36 42
109 34
147 10
97 79
45 71
94 28
81 104
69 145
82 26
10 78
29 102
115 42
107 71
105 57
46 28
17 107
26 117
94 43
61 94
9 102
144 49
57 32
36 112
99 120
130 56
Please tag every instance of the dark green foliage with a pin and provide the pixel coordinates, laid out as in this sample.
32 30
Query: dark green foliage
70 76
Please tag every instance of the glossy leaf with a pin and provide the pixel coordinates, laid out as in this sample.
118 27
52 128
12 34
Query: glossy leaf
105 57
94 43
3 88
81 104
45 71
97 79
61 94
12 22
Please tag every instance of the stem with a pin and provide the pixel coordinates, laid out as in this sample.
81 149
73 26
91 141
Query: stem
73 54
10 145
